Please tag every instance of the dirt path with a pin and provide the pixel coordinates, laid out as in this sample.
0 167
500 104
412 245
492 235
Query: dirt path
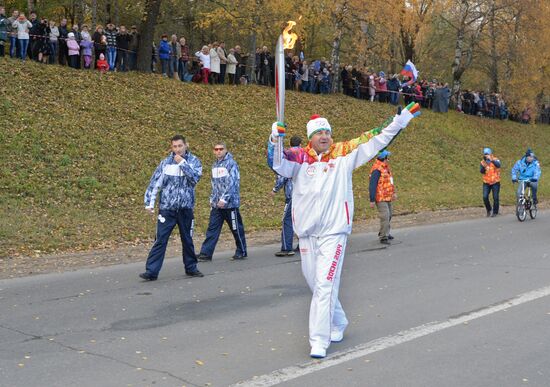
22 266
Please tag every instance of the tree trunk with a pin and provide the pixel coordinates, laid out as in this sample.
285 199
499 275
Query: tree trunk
310 43
30 5
457 68
251 61
115 12
147 34
94 15
493 71
335 59
469 27
80 6
511 57
74 11
407 42
338 20
108 11
393 64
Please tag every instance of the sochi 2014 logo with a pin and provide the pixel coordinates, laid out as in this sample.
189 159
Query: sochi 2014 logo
334 264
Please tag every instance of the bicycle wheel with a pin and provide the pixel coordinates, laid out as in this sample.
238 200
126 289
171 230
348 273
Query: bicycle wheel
533 212
521 213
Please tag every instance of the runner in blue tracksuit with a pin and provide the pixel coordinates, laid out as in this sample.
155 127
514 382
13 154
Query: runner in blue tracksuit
287 232
175 178
225 201
527 169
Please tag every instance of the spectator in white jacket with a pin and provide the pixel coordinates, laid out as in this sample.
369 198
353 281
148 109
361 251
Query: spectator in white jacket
214 63
232 66
223 61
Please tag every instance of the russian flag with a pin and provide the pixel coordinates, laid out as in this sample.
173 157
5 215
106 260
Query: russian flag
410 71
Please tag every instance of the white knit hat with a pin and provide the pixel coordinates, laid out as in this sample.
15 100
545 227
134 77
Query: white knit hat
317 123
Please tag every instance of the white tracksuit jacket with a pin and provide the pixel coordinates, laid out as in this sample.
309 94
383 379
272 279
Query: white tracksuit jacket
322 214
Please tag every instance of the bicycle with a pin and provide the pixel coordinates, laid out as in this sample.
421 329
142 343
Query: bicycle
525 202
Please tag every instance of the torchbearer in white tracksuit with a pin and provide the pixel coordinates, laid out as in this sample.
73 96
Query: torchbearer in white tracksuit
322 211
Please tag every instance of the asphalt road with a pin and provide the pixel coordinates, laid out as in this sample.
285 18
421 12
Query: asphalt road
458 304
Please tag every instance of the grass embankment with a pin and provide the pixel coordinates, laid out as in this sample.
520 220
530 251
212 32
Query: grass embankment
77 150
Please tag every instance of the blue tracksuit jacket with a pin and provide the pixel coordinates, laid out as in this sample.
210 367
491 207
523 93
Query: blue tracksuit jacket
226 182
176 182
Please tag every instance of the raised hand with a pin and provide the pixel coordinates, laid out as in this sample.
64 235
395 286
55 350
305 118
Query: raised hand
278 129
411 111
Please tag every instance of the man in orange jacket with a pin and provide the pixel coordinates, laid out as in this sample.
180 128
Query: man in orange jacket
490 169
382 193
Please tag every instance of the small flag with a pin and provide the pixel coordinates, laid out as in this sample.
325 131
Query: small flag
410 71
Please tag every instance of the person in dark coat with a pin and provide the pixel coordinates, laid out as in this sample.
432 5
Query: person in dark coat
100 43
123 44
63 50
441 99
133 46
393 89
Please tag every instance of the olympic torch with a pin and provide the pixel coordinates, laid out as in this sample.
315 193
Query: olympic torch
286 41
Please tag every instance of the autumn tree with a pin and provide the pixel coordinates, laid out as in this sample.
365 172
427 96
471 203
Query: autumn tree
526 74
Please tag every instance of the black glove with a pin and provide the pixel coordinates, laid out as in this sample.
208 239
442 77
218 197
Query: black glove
534 180
514 181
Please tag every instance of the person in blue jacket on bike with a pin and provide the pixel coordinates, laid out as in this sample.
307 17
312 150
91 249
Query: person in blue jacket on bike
527 170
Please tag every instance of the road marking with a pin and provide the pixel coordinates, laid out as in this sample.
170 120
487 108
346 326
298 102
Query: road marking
296 371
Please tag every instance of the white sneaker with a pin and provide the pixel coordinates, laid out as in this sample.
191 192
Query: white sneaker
318 352
336 336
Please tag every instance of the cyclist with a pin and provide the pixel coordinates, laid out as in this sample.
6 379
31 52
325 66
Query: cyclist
490 168
527 169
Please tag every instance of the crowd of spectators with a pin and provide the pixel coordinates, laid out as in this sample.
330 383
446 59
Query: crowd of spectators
115 48
477 103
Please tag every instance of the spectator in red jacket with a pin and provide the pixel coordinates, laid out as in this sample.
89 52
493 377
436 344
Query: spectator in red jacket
102 64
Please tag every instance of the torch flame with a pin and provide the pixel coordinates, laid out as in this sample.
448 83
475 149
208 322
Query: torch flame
289 38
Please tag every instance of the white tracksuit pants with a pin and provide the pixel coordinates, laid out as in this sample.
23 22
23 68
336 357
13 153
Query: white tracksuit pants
322 260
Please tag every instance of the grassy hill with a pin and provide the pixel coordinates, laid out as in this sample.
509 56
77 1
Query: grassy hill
77 149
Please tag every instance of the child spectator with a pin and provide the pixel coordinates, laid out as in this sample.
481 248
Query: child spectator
102 64
86 46
85 33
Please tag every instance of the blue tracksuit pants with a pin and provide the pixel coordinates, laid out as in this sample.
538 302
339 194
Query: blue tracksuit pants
233 218
287 233
167 220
